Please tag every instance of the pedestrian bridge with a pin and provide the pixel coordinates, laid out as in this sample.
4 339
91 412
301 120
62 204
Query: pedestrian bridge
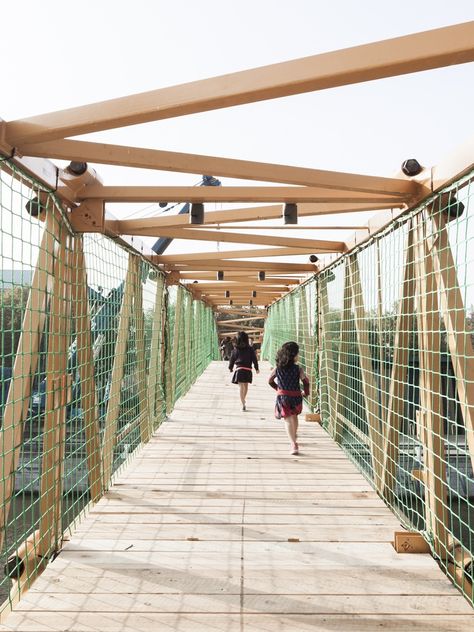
134 492
214 525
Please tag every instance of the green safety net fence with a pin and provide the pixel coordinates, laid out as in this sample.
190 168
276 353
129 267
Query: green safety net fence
395 377
94 352
294 318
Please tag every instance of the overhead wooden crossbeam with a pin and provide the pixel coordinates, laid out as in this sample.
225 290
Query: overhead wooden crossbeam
129 194
257 213
392 57
314 245
279 227
226 285
240 320
248 254
243 265
239 275
194 163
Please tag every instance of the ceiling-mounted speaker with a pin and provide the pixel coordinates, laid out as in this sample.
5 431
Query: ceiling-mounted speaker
197 213
230 302
220 275
227 294
254 293
250 302
290 214
261 275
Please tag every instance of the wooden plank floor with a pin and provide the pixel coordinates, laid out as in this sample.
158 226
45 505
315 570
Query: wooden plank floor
215 527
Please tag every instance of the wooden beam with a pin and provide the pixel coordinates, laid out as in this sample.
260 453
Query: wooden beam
25 366
242 254
392 57
113 407
239 276
257 213
127 194
85 362
431 405
313 245
233 285
226 264
240 320
278 227
144 158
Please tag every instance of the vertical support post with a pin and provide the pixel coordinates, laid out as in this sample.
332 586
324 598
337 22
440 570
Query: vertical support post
187 340
399 373
142 381
58 387
369 386
174 352
326 357
154 377
24 367
343 363
85 362
458 335
113 408
382 379
432 431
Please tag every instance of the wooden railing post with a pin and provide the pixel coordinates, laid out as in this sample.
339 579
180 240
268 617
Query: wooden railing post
24 367
431 419
142 381
113 408
58 393
85 368
155 369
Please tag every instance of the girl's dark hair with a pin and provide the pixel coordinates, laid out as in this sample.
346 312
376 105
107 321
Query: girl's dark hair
286 355
242 340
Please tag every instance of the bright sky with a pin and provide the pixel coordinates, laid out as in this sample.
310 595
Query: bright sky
58 55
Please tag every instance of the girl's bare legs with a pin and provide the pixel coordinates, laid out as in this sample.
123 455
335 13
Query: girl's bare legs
244 387
291 424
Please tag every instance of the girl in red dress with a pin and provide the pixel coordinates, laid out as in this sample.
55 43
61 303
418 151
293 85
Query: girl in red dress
285 379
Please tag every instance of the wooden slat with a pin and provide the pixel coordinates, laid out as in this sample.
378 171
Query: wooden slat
369 385
126 194
317 247
458 336
141 373
155 373
392 57
401 357
144 158
24 367
113 408
258 213
58 392
226 264
85 362
430 414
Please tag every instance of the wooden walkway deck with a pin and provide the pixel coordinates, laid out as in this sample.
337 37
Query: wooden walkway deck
215 527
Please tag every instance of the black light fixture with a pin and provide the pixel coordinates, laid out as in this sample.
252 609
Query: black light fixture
313 258
197 213
77 168
231 302
411 167
227 294
250 302
261 275
254 293
195 281
290 214
220 275
162 204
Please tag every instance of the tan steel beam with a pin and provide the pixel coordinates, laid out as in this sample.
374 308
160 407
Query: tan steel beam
144 158
128 194
246 254
392 57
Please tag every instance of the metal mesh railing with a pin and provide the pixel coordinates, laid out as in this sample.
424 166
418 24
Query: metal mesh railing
396 368
94 351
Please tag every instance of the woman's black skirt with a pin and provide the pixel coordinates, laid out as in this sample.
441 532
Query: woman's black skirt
242 375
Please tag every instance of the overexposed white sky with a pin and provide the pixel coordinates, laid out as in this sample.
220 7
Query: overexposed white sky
58 54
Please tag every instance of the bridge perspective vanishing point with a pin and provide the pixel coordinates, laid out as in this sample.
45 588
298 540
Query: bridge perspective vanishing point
134 493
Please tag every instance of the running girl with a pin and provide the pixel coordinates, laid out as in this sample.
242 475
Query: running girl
242 357
285 379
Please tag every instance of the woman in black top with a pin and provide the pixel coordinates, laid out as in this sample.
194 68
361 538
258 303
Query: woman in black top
242 357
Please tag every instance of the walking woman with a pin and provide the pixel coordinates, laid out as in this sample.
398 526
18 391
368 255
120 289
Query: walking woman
285 379
243 357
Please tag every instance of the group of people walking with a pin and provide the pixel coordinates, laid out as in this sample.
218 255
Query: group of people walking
286 378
